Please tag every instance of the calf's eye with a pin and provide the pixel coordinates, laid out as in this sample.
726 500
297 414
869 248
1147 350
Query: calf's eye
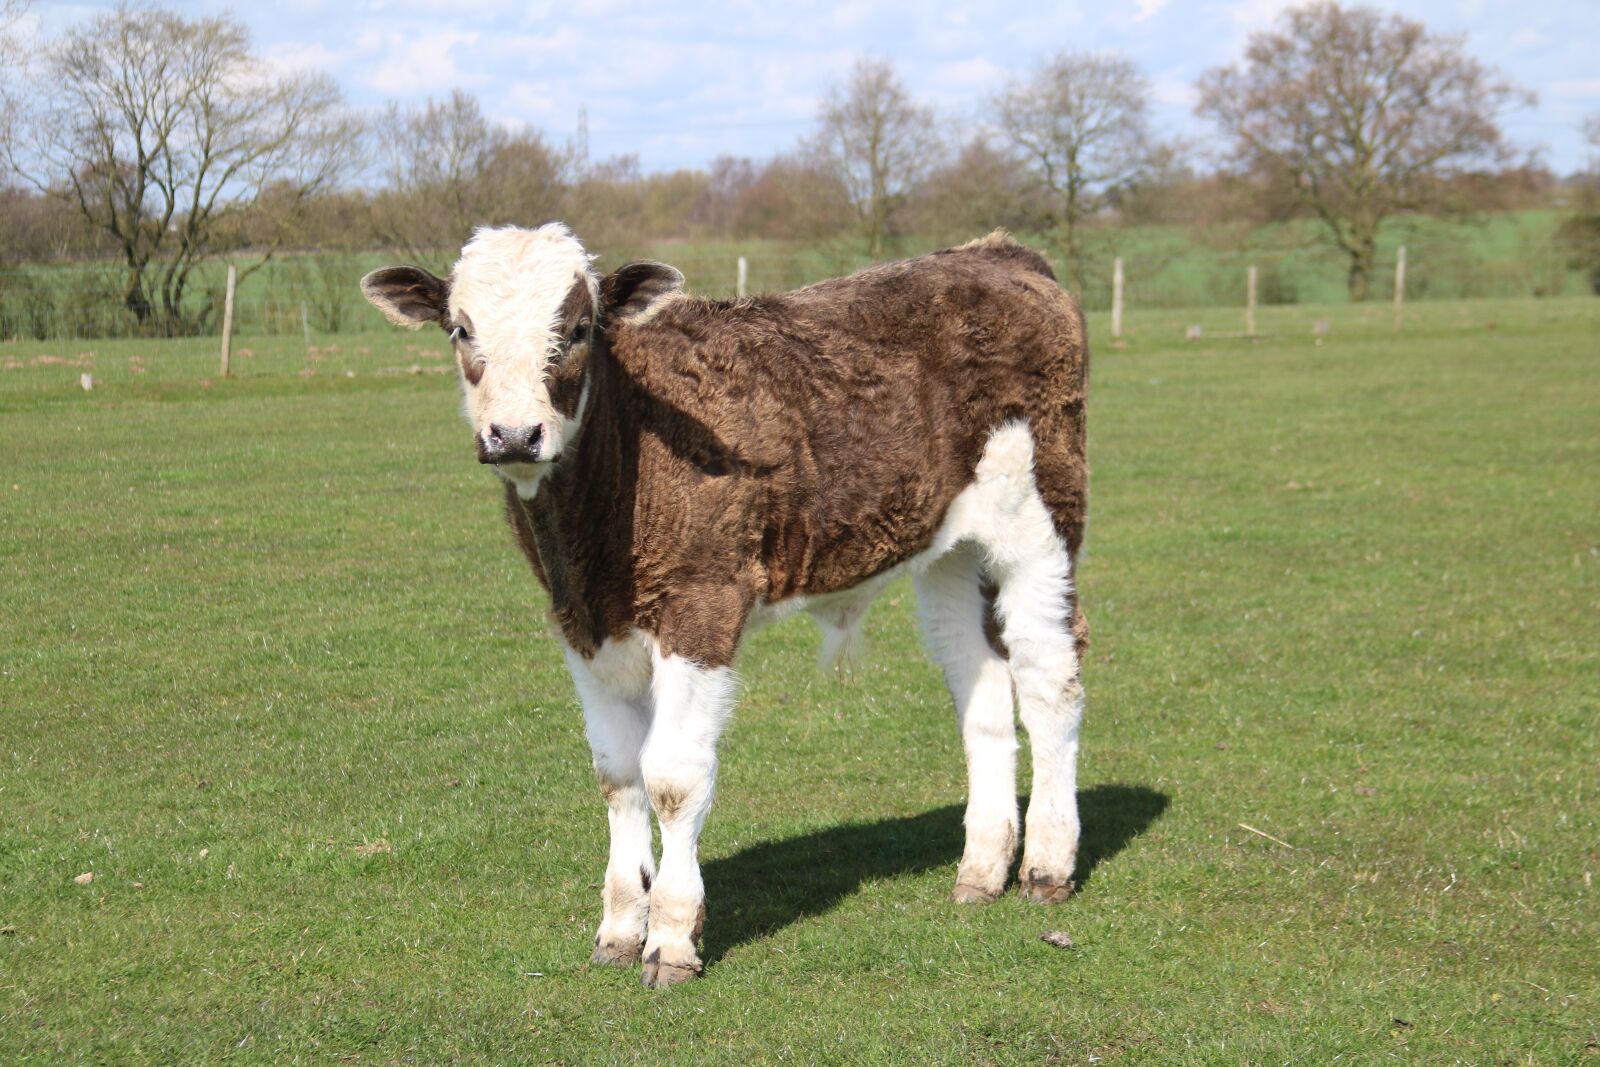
580 332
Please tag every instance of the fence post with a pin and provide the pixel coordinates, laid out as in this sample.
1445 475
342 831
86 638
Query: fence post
305 328
227 318
744 276
1250 301
1399 285
1116 298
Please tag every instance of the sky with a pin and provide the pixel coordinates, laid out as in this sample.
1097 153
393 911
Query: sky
681 83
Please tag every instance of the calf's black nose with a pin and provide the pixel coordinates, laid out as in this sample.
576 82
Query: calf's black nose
509 444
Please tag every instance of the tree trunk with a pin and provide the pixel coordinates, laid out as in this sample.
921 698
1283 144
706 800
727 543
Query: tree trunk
1069 249
1363 249
134 298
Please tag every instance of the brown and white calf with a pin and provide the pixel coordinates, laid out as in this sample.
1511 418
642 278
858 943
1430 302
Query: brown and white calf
679 469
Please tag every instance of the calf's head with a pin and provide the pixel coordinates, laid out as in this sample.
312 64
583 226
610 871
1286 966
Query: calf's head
527 316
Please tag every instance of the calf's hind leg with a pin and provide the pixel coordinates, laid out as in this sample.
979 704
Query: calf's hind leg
1036 606
953 607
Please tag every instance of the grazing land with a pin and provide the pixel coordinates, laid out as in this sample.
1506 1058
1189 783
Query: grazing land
273 673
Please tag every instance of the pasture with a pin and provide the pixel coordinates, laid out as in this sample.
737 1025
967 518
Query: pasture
272 671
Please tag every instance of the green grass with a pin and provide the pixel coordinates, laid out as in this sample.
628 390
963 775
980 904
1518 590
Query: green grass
1347 594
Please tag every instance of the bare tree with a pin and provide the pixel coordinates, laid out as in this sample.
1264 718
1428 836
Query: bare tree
160 130
979 188
877 141
12 58
1362 113
450 168
1081 122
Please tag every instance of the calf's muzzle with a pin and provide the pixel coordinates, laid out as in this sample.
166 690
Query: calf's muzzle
509 444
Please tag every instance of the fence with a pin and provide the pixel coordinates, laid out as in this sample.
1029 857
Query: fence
318 292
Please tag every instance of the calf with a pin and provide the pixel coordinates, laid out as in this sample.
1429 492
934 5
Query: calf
679 469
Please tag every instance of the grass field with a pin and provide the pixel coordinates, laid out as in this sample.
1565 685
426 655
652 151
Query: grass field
272 671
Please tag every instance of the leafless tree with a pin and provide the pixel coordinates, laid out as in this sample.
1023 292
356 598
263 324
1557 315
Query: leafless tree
1362 113
1081 122
979 187
160 130
12 56
877 142
449 169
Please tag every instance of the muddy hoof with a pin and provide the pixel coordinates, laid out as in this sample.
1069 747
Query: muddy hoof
1042 890
659 973
971 894
616 953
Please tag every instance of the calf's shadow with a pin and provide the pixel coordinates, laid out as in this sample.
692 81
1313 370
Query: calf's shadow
766 887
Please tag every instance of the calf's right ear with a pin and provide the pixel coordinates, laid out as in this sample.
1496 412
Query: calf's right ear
408 296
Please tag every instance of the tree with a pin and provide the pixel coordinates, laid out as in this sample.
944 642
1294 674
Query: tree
1081 121
160 130
1591 134
1578 236
12 57
979 188
1362 114
450 169
877 142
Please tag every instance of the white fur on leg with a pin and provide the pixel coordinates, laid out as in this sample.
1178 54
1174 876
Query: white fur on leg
1030 564
616 716
692 705
951 604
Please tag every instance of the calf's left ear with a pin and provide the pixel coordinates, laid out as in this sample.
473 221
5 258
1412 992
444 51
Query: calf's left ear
408 296
631 291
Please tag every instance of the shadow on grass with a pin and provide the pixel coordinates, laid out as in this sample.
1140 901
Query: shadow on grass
768 886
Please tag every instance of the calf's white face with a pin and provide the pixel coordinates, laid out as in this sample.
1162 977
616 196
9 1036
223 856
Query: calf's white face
523 310
519 309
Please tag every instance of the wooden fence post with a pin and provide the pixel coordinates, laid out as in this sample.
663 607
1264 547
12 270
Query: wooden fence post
1250 301
744 276
1116 298
227 318
1399 286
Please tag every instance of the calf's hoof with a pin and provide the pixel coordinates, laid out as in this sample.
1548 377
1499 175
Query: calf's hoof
616 953
965 893
1045 889
660 973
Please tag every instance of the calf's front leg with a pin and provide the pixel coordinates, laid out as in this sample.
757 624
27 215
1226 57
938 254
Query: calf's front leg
692 704
616 717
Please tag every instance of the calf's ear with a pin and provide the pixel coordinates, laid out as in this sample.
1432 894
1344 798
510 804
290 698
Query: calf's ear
630 292
408 296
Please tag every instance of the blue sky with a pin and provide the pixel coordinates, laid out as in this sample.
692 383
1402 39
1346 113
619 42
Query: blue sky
679 84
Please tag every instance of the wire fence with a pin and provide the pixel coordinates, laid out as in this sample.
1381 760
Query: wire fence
319 293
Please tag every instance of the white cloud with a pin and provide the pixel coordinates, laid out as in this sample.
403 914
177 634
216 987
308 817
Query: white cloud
297 57
1256 14
1148 9
414 66
968 73
1527 37
526 100
1579 87
1173 90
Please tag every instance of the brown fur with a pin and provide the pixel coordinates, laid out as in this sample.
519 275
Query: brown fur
736 452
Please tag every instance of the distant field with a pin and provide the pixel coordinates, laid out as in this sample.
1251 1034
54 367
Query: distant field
272 671
1493 256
